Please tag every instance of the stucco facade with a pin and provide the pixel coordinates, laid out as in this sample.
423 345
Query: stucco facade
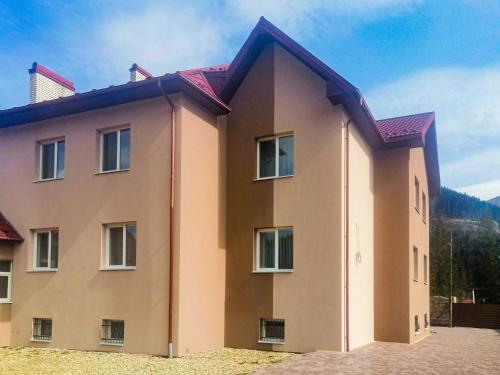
349 204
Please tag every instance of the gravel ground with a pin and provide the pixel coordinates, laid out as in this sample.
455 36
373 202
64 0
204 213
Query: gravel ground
24 360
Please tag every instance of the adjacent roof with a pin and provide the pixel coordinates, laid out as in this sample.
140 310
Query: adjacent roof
404 126
7 231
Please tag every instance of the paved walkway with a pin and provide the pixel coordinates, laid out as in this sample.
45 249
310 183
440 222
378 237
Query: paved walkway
446 351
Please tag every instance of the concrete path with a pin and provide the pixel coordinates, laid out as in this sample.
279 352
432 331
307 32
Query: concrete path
447 351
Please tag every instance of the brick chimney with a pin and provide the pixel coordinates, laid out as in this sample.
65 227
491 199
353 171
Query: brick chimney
137 73
47 85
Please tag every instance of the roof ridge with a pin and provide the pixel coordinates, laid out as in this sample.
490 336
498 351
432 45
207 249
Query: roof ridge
412 115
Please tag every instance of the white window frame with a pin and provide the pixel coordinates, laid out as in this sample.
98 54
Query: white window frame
118 149
40 156
49 257
9 283
277 164
123 266
40 334
258 269
106 334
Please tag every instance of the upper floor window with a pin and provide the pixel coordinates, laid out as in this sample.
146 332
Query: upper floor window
46 252
115 150
52 160
415 263
274 250
417 195
5 280
275 157
424 207
121 246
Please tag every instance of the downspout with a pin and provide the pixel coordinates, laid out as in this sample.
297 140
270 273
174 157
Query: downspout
172 221
346 231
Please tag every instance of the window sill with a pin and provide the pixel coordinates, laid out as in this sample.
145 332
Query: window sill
5 302
110 344
115 171
272 271
44 341
48 180
271 342
272 178
118 269
43 270
418 211
417 333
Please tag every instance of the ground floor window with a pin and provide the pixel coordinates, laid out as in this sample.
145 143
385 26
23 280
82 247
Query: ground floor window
272 331
113 332
5 280
417 325
121 245
46 250
426 321
274 250
42 329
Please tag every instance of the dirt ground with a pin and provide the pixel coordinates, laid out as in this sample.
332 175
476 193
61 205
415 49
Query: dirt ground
24 361
447 351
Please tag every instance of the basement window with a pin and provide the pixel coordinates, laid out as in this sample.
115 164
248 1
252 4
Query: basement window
417 325
112 332
272 331
42 329
51 160
275 157
46 251
115 150
274 250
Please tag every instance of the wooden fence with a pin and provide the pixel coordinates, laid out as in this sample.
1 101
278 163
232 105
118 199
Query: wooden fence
476 315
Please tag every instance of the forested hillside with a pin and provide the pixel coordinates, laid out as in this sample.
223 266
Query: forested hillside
474 226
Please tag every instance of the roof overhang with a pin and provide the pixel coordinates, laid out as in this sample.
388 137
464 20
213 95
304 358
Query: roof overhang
108 97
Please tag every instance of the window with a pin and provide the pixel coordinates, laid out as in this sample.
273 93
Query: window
42 329
425 270
417 195
52 160
274 250
424 207
426 321
115 150
275 157
46 254
5 280
415 263
272 331
121 246
417 325
112 332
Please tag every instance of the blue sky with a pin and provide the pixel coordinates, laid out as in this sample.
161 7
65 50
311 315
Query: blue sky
406 56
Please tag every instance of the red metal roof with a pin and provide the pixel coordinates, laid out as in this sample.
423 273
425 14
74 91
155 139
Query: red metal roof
7 231
197 77
397 127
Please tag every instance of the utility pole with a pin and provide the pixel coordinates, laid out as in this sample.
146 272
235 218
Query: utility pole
451 279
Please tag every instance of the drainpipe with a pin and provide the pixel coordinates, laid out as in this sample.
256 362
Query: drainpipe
172 220
346 231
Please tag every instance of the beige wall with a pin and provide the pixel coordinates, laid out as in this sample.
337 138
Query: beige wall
281 95
78 296
361 241
201 230
419 237
398 228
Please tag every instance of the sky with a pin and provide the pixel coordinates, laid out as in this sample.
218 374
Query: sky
406 56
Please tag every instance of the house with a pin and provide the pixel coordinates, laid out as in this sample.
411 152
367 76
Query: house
255 205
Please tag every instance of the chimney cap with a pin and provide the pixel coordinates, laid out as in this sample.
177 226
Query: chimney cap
39 68
140 69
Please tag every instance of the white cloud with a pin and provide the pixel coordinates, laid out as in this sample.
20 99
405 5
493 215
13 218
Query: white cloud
466 102
485 191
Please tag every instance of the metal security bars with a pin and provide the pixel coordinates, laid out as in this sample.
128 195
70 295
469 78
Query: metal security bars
42 329
112 332
272 331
